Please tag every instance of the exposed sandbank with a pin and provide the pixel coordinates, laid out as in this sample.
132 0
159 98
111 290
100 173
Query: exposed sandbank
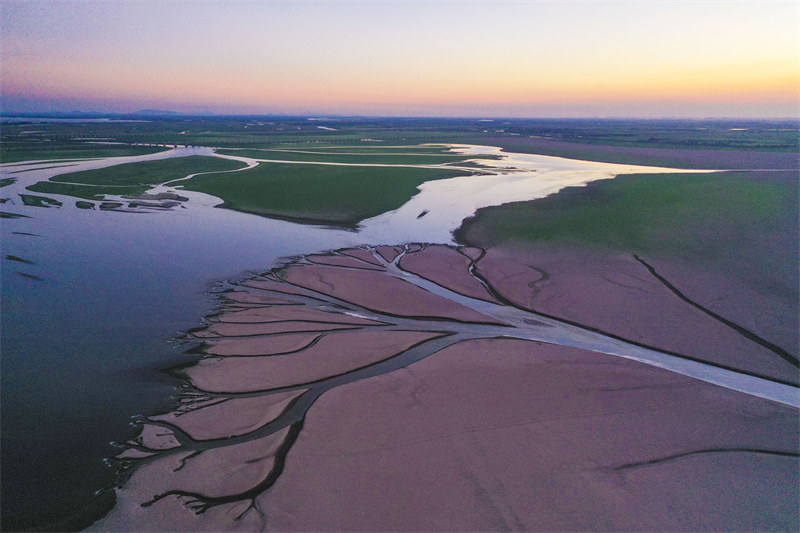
423 417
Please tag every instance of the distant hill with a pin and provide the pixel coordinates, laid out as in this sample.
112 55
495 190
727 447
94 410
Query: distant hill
156 112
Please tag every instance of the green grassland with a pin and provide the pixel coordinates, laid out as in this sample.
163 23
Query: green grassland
87 192
235 132
367 148
131 179
722 134
382 158
330 194
345 195
35 151
689 215
714 144
266 131
339 195
150 172
39 201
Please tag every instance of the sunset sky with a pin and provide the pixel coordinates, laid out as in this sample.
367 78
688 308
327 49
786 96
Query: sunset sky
511 59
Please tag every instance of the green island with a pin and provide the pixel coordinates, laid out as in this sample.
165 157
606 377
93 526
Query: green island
350 183
403 156
130 179
340 195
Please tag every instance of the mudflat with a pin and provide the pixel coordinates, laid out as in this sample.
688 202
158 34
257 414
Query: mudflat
446 404
625 295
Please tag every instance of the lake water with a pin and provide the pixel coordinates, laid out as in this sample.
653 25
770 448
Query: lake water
90 299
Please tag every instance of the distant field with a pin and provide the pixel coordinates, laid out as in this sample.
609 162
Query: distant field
727 134
384 157
266 132
723 144
36 151
317 193
365 148
349 194
130 179
87 192
673 157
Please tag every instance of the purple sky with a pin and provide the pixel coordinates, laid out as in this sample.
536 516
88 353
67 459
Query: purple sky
527 59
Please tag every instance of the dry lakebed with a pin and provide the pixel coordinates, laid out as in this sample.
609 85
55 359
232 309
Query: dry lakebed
460 392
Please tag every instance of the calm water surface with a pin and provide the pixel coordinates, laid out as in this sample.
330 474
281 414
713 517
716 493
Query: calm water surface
85 324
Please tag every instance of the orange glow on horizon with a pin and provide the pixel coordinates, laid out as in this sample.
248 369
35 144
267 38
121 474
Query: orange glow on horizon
739 55
739 84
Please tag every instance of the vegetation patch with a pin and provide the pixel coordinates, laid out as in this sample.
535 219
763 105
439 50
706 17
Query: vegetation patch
41 151
39 201
130 179
149 172
385 158
88 192
690 215
341 195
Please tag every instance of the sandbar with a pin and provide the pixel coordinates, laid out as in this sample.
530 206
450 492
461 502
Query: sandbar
435 409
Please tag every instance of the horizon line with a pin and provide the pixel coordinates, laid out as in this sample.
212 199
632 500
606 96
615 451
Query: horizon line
178 114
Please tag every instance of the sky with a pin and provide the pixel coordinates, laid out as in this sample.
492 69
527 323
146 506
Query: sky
446 58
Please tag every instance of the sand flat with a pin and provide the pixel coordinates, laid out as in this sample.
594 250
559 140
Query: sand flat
334 354
266 314
446 267
213 473
276 286
269 328
232 417
418 423
272 345
389 253
759 306
344 260
386 294
615 293
250 297
363 255
489 435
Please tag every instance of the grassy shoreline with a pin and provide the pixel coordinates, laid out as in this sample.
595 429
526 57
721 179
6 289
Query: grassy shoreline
317 194
732 158
130 179
676 213
36 152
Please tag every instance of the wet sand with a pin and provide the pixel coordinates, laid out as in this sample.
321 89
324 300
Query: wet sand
501 434
403 388
616 293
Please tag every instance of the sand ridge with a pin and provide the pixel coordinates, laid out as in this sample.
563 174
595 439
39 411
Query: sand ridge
439 406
